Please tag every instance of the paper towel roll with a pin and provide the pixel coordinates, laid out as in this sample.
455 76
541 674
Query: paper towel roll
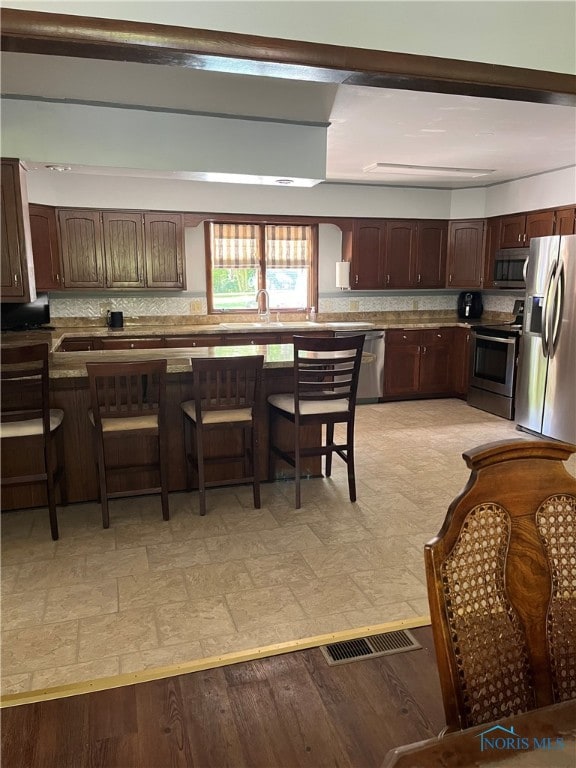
342 274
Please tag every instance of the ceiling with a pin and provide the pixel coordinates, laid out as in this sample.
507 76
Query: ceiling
499 140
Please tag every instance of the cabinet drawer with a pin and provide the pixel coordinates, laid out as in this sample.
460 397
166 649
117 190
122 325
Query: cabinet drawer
138 343
402 336
76 345
201 340
436 336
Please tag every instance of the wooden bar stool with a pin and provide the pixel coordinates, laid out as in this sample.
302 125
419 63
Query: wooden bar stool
26 414
326 372
226 397
129 400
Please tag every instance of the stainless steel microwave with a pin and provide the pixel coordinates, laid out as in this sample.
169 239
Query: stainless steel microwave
510 266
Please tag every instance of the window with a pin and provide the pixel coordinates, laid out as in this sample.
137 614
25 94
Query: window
242 258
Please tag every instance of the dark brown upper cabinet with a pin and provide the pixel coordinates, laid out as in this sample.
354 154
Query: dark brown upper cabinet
45 247
430 263
518 230
565 221
367 269
400 253
465 260
124 249
82 251
493 239
17 268
164 244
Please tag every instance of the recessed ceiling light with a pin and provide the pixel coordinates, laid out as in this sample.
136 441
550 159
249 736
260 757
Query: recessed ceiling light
284 181
59 168
391 169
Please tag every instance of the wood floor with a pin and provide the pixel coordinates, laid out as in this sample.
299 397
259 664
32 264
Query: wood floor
280 712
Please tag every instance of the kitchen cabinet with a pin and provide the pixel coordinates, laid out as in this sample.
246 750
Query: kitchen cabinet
82 252
430 263
17 282
400 254
198 340
76 345
367 270
518 230
45 247
492 244
565 221
461 360
465 260
123 236
418 363
164 248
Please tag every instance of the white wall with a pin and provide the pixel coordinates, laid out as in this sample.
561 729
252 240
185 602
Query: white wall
538 34
547 190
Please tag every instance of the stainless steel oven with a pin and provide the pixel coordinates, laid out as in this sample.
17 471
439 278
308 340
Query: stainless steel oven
493 369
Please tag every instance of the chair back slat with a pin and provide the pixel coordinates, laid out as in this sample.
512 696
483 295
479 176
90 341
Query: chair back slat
327 369
227 383
120 390
25 384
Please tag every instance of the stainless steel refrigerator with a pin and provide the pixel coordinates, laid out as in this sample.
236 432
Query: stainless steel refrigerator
546 386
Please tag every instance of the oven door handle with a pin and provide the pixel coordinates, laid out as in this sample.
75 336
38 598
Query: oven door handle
510 340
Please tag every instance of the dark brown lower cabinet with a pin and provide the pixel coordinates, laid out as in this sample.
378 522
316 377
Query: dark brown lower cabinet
419 363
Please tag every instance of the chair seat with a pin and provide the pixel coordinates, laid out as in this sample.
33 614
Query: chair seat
308 407
126 423
29 427
224 416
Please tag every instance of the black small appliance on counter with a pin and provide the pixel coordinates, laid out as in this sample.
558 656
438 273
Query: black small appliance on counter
470 306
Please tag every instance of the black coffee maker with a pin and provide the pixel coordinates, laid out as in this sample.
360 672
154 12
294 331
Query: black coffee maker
470 305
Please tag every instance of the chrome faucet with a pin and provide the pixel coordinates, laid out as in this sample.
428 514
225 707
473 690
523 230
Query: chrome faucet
263 315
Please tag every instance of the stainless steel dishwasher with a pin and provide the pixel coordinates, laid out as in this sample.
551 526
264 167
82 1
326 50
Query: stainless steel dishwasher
371 383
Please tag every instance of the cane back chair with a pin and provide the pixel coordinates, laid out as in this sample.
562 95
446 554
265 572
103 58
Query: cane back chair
501 580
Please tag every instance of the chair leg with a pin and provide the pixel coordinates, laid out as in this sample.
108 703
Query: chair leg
188 452
271 454
329 441
201 478
102 481
256 465
163 460
297 465
48 459
61 469
350 462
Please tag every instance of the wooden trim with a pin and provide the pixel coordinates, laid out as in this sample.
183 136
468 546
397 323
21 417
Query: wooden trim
211 662
119 40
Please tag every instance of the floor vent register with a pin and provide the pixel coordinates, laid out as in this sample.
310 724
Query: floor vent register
369 647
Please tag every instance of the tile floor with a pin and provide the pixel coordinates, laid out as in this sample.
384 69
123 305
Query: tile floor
148 593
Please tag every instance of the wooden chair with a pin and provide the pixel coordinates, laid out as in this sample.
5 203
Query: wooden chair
501 580
26 414
129 400
326 372
226 396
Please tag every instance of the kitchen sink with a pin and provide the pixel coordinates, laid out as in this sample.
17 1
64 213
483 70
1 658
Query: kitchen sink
248 326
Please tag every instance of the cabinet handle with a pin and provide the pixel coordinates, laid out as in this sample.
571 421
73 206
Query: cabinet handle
179 277
131 346
404 336
439 335
419 278
15 279
57 278
387 279
424 350
524 238
356 280
519 237
449 278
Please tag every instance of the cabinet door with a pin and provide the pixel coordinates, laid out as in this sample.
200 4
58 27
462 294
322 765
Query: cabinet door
402 362
493 238
124 249
82 252
164 244
400 253
368 255
565 221
513 231
430 262
461 360
466 253
45 247
17 270
435 355
539 225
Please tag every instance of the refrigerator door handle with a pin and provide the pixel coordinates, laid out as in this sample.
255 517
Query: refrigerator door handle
557 309
545 338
